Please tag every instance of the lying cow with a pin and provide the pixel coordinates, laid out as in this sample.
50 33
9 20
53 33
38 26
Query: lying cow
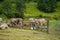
3 26
16 21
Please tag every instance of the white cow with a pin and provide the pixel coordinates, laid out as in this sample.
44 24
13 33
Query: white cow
3 26
32 23
16 22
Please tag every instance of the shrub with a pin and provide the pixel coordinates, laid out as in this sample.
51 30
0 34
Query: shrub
47 5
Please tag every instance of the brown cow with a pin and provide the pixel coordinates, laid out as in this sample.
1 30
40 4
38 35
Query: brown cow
26 24
16 21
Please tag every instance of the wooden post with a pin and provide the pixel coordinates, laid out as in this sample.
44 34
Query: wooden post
47 25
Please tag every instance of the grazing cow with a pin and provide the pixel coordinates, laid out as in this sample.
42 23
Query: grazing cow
16 21
37 22
3 26
40 22
32 23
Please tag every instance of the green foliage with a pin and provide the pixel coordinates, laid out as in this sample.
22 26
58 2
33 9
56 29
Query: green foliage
15 8
31 1
32 11
1 8
12 9
47 5
6 8
1 0
20 8
58 0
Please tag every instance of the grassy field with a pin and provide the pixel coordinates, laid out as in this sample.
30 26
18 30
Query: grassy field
25 34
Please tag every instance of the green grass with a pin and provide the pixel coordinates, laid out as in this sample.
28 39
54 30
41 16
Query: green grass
54 23
23 34
5 19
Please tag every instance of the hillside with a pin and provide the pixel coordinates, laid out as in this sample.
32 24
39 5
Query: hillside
31 10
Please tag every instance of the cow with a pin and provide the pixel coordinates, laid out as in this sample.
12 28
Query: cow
16 21
4 25
32 23
38 23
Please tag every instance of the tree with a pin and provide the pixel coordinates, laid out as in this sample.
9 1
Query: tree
1 0
47 5
13 9
20 8
6 8
58 0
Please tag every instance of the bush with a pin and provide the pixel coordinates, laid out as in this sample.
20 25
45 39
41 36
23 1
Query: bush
47 5
13 10
20 8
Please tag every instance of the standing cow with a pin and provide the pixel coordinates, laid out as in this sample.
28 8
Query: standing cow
32 23
16 21
38 23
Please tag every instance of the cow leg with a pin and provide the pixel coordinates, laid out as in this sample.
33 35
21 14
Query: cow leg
14 24
31 25
22 24
36 26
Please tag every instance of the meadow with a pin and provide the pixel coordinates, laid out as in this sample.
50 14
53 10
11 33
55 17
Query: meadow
31 10
27 34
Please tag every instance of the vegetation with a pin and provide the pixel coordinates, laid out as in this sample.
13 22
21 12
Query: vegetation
12 9
28 8
32 11
25 34
21 8
6 8
47 5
